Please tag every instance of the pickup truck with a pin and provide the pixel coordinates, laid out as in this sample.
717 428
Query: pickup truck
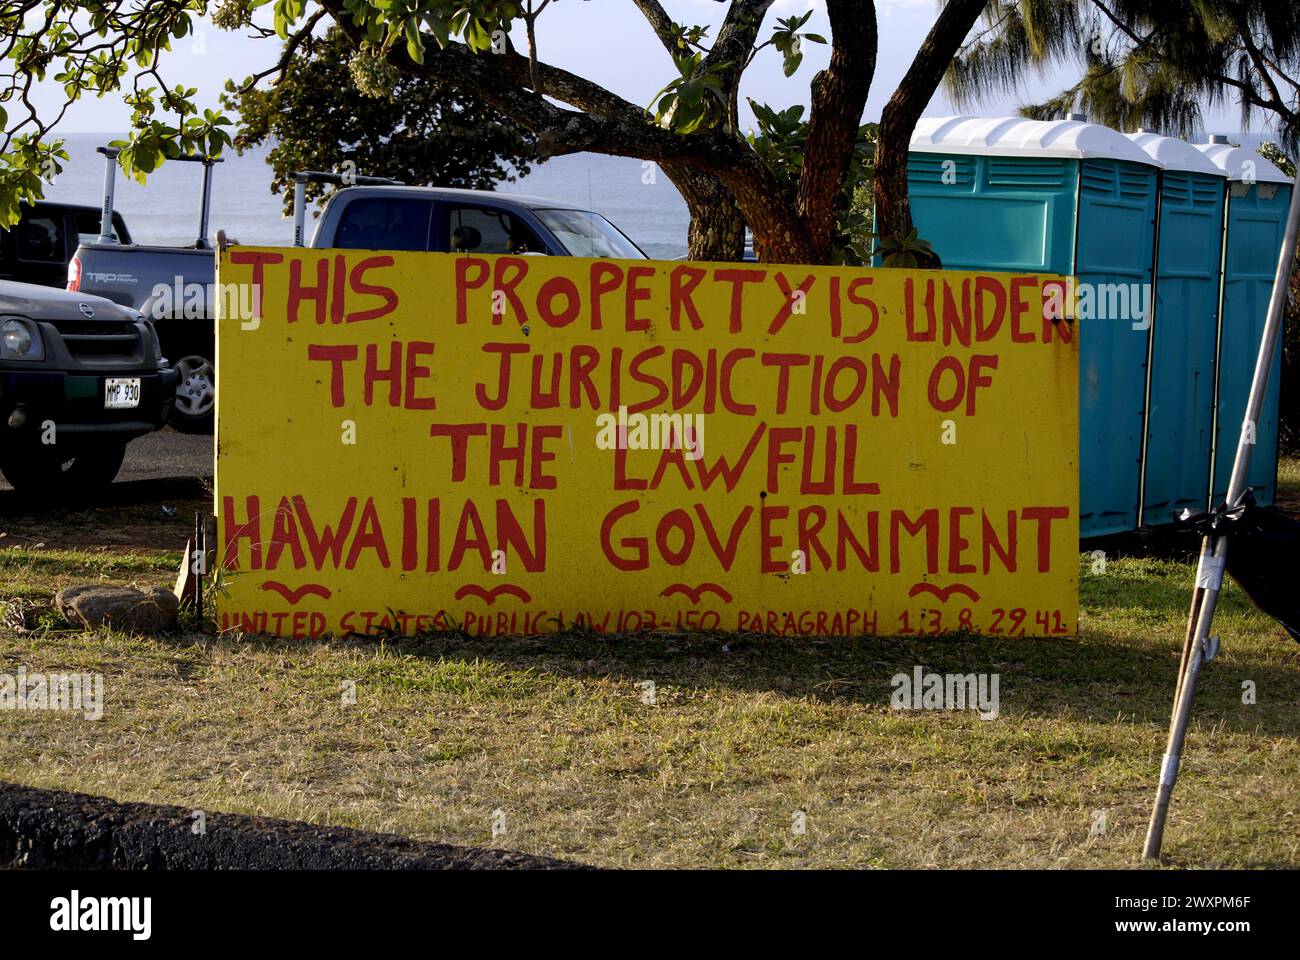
80 377
160 282
367 213
39 246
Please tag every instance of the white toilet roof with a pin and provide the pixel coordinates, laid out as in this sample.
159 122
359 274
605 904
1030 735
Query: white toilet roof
1174 154
1016 136
1232 161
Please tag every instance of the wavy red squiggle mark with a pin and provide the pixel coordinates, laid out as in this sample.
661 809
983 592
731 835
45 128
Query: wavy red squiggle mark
695 594
490 596
943 593
293 596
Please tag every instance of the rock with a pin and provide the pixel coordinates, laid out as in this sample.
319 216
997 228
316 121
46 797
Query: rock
123 608
21 615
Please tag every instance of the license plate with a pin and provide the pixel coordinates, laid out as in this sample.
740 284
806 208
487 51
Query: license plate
121 392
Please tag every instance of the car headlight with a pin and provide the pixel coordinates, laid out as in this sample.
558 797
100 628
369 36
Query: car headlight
20 340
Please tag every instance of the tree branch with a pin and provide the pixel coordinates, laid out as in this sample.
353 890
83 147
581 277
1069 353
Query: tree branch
1120 25
603 123
839 95
898 119
660 23
1275 101
286 57
736 37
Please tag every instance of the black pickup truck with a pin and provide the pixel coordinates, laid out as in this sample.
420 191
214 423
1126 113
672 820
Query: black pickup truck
38 248
80 377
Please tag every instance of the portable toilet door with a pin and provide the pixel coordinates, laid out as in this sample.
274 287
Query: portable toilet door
1066 197
1259 195
1184 330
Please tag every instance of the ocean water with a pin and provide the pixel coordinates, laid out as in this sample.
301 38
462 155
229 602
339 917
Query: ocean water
640 200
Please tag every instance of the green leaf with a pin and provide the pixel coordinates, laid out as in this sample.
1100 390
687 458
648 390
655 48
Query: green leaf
414 45
440 29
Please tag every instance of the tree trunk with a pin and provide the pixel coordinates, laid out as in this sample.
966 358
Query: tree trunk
898 119
724 200
777 239
780 236
717 229
839 95
893 207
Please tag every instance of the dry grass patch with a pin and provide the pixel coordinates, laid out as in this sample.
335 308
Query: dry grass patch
553 732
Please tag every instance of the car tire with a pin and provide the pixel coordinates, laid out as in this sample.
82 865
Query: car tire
195 406
38 472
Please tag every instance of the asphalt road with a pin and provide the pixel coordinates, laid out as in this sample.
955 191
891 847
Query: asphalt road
163 455
53 829
167 454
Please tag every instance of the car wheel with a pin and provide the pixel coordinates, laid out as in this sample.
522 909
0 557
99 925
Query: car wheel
44 474
196 395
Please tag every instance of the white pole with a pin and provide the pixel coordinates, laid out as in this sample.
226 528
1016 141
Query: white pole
1214 550
106 212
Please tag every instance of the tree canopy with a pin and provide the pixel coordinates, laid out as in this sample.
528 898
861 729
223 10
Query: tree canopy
340 109
1143 63
488 49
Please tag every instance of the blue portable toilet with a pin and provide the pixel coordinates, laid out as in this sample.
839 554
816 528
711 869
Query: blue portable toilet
1259 195
1184 330
1067 197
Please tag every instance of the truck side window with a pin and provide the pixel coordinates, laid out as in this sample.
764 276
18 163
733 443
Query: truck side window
40 240
87 224
497 230
381 223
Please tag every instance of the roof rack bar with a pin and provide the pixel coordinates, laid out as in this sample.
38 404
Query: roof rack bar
344 179
110 183
304 177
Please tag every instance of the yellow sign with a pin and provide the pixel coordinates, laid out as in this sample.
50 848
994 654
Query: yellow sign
513 445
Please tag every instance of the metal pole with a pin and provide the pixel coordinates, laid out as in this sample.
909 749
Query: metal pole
205 203
106 211
1174 747
199 560
1209 572
1198 595
1203 649
299 209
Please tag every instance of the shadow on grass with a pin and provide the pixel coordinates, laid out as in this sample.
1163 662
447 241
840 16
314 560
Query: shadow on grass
156 514
124 493
1123 664
1097 677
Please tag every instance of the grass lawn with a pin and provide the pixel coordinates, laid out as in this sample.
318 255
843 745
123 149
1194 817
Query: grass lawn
555 733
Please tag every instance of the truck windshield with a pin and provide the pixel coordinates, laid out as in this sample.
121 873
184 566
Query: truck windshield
586 234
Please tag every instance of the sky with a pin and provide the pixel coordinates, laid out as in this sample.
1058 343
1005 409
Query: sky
610 42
